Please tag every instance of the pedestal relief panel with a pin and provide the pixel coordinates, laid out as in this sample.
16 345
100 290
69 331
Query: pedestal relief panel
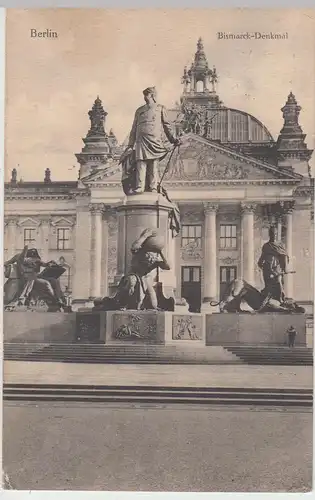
143 327
90 326
187 327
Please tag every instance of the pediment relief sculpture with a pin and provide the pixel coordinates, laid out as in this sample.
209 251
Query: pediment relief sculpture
196 160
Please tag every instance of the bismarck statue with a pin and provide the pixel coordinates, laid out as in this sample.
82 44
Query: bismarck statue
136 290
240 296
145 147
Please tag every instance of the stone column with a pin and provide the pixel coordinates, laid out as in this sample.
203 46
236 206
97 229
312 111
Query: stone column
96 249
288 281
210 253
192 83
247 211
121 245
11 235
45 231
82 253
279 228
104 260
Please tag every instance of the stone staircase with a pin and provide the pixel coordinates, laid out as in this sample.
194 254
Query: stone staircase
96 394
115 354
273 355
150 354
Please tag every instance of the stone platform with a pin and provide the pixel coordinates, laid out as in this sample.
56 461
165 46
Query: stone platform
32 327
139 327
157 327
254 329
153 327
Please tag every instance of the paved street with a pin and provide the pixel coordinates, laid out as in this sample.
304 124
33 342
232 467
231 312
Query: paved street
156 449
280 377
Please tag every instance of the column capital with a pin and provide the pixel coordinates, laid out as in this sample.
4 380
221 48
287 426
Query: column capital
287 206
209 208
96 208
248 207
107 212
11 221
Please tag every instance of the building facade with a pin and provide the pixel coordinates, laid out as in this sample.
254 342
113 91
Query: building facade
230 179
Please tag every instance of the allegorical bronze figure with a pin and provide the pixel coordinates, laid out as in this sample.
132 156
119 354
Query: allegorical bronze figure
273 262
241 296
136 289
26 281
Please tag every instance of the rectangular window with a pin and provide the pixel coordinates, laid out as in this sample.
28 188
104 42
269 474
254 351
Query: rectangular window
191 274
196 274
186 274
228 237
30 237
191 234
63 239
227 274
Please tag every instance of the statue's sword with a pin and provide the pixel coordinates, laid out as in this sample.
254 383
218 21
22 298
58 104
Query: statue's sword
157 203
167 166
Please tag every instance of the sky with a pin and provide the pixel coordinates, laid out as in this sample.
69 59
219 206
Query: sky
51 83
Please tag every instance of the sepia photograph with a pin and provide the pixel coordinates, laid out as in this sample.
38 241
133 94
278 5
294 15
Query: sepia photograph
159 250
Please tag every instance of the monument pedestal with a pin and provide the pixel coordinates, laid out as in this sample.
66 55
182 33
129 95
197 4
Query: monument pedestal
139 212
254 329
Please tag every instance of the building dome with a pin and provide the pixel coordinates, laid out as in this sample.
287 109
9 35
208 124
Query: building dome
229 125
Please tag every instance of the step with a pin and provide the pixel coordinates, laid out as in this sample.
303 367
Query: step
153 388
269 401
169 393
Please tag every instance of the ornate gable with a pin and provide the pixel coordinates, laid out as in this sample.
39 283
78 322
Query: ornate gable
62 222
202 160
199 159
111 171
29 222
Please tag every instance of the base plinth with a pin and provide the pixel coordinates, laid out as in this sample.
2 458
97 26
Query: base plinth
254 329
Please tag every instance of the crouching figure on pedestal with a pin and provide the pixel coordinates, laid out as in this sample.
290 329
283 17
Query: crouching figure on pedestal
136 289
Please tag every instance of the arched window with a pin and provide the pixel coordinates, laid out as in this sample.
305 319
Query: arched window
199 86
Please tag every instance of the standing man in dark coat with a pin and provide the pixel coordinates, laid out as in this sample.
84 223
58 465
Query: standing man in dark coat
145 141
291 331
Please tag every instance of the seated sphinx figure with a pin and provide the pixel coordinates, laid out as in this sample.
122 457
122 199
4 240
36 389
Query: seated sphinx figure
136 289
